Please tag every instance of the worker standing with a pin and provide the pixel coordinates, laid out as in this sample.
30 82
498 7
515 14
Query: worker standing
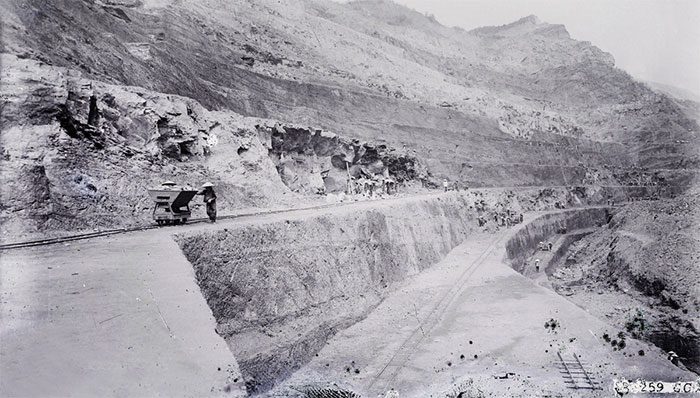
209 200
673 357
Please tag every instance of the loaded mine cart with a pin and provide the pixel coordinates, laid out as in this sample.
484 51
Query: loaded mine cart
172 204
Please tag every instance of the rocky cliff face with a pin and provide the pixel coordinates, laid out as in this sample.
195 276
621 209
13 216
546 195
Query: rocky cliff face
641 272
79 153
160 89
334 268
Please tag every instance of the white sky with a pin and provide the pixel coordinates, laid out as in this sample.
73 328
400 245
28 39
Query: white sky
653 40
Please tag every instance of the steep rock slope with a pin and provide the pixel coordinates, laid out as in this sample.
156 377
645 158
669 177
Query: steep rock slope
296 48
642 273
277 304
520 104
79 153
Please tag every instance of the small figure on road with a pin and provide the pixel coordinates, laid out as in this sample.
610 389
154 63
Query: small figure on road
673 357
209 199
537 265
444 184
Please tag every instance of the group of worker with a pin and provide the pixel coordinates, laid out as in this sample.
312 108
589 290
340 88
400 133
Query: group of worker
544 246
453 186
502 219
371 186
508 218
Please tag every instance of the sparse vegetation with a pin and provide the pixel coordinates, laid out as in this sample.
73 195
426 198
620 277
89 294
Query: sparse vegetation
552 325
636 325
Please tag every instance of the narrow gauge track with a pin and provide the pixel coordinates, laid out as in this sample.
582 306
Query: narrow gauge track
108 232
575 375
384 379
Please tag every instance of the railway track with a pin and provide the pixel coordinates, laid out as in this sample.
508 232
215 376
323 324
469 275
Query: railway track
384 379
50 241
575 374
108 232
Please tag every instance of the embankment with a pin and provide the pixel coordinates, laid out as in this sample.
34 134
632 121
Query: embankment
279 289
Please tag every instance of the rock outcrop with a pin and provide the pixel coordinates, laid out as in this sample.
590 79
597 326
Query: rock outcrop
79 153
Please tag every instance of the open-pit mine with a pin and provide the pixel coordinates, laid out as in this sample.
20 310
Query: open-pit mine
319 199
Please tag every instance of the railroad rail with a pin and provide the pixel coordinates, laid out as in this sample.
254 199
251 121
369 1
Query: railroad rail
387 375
575 375
108 232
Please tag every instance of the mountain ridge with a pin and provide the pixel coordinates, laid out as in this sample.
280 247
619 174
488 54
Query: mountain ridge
532 108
